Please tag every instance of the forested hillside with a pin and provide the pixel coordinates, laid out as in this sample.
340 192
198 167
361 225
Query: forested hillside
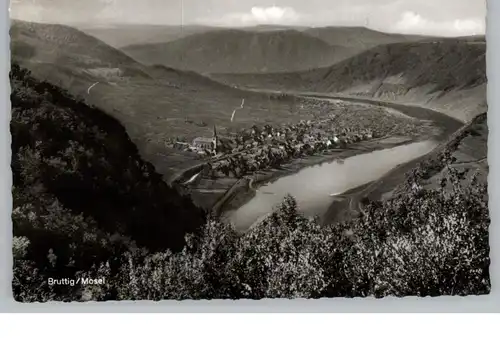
358 39
81 192
241 51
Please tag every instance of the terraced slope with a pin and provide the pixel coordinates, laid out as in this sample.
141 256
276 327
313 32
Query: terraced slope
448 75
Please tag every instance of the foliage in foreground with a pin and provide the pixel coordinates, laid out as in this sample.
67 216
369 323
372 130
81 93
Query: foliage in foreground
426 243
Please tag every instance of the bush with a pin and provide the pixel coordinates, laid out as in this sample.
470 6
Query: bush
426 243
281 257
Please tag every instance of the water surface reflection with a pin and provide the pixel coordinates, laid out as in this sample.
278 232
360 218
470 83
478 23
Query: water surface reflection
313 186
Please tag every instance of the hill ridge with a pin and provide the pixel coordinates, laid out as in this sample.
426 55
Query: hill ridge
240 51
448 75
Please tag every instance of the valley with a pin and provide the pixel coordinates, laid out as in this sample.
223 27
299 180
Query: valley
248 152
357 97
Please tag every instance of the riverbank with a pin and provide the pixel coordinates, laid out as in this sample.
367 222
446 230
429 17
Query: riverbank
351 204
244 189
388 185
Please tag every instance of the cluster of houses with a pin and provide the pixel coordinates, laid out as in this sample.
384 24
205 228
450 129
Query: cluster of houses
265 146
347 125
297 136
305 132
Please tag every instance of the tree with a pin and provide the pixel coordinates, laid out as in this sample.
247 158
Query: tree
279 257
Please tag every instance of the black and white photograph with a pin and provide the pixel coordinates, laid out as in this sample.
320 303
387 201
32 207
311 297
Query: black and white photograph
250 149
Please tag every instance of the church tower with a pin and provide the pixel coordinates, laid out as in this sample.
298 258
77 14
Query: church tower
215 141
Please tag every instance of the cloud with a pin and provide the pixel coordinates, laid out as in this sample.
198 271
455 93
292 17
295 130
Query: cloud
412 22
59 11
263 15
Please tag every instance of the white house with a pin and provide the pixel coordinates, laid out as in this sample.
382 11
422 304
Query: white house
204 143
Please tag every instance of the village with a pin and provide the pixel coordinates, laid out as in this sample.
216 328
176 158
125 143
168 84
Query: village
266 146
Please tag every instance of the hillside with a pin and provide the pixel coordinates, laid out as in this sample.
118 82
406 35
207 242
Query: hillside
154 103
69 47
467 150
448 75
119 36
81 191
358 38
241 51
85 159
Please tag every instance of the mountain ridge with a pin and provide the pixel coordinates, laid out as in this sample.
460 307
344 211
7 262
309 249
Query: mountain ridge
359 37
122 35
241 51
446 74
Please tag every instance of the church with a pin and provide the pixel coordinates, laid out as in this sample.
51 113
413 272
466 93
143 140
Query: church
206 143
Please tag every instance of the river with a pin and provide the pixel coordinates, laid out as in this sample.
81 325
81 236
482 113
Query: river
312 187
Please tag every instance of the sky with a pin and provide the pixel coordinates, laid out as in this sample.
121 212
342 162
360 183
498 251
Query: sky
430 17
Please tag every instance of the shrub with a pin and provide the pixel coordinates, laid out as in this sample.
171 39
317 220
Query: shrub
426 243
